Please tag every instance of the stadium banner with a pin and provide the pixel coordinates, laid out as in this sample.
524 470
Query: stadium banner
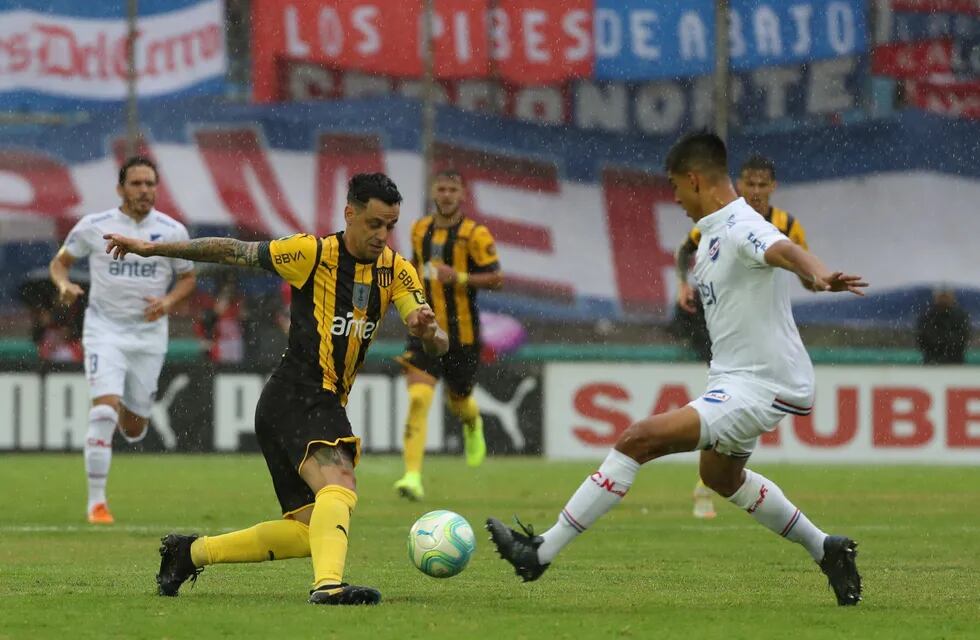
522 41
966 56
529 43
552 196
200 409
913 59
862 414
810 92
915 26
969 7
62 55
957 99
644 40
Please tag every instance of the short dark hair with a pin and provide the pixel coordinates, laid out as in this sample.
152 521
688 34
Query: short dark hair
137 161
364 186
698 151
450 174
757 162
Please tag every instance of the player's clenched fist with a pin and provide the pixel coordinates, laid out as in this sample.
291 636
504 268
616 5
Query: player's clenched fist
69 293
422 323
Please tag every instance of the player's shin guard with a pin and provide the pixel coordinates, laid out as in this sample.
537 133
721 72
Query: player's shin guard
419 401
102 421
600 492
465 409
765 502
474 444
273 540
329 525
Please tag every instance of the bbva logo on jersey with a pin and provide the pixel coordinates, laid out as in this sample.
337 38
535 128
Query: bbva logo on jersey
286 258
347 325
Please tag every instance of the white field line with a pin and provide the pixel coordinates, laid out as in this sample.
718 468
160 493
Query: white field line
163 529
112 528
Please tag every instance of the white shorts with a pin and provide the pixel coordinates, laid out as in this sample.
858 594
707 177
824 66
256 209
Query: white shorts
131 375
736 411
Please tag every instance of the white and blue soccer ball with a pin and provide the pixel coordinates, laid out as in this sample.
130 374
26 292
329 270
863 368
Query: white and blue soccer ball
441 543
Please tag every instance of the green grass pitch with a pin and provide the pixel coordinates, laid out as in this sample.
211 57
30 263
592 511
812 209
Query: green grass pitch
647 570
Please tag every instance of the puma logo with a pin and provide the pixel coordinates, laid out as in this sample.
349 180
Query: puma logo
328 267
506 411
160 413
341 527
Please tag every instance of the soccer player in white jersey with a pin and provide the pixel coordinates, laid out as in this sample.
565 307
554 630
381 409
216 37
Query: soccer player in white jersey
125 330
759 372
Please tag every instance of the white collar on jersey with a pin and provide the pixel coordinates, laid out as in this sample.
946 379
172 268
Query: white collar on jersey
720 217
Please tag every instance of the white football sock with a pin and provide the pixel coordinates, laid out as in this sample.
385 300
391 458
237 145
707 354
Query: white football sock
598 494
765 502
102 421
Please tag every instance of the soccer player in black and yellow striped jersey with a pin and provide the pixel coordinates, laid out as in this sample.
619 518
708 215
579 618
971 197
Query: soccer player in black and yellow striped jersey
342 286
756 183
456 257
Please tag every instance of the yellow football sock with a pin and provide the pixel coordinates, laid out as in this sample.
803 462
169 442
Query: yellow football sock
465 409
329 525
273 540
419 401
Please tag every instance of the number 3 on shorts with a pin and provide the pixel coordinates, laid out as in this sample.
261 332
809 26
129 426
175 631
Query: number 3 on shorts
93 363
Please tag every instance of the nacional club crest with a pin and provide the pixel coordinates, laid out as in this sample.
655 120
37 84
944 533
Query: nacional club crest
713 248
362 295
716 396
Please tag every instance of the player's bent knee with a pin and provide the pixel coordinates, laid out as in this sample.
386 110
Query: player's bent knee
113 402
643 441
134 433
329 465
420 397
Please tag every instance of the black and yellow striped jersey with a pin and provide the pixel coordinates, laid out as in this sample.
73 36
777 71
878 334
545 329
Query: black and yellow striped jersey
467 247
779 218
337 304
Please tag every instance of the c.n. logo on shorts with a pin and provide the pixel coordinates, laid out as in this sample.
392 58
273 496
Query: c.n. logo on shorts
716 396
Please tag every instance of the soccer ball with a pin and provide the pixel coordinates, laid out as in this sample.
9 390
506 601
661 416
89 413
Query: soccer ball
440 543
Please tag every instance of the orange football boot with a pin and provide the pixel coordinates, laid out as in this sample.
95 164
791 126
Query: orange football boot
100 514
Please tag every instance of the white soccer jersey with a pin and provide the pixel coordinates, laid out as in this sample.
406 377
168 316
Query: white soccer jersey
747 303
118 288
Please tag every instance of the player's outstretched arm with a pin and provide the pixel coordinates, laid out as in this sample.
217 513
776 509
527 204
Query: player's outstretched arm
422 324
219 250
811 270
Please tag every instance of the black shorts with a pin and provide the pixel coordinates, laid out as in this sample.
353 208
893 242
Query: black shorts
458 367
289 420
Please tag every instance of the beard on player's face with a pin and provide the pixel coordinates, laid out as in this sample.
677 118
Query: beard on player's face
447 209
141 204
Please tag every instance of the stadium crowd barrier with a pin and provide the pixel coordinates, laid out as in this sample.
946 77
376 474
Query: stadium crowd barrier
543 401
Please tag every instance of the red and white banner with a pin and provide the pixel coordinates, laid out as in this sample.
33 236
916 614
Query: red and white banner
958 99
861 414
86 58
525 42
913 59
610 240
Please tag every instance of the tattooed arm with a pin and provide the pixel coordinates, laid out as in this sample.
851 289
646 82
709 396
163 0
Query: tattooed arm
220 250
